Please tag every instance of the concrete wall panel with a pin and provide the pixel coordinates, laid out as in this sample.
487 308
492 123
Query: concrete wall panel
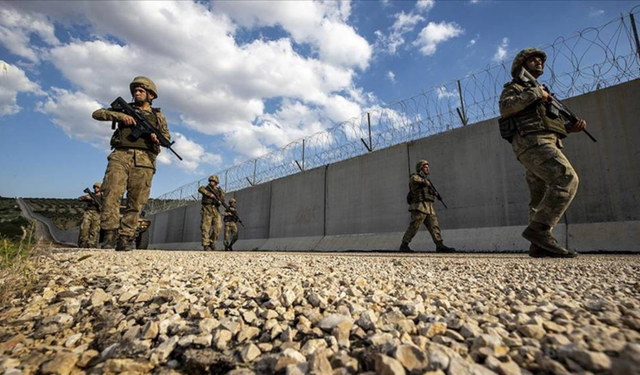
297 205
367 194
253 204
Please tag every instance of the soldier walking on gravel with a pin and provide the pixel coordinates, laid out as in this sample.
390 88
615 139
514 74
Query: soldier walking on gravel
212 195
90 224
422 196
131 166
230 225
535 137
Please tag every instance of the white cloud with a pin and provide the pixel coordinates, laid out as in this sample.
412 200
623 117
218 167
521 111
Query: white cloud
404 23
192 153
320 24
501 53
474 1
425 5
434 34
391 76
13 80
17 28
71 111
593 12
444 93
473 41
206 78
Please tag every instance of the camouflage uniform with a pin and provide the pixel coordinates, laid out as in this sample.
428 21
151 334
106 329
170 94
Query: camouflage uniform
536 142
211 223
230 226
131 167
422 211
90 224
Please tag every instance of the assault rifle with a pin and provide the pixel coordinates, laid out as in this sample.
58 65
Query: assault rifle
142 126
436 192
93 198
223 203
555 108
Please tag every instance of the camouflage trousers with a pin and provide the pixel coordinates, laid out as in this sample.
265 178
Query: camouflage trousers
129 171
230 233
429 220
89 229
552 181
211 224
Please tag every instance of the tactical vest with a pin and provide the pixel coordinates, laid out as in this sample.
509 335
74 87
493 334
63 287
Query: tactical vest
534 119
91 206
122 136
207 201
422 193
231 218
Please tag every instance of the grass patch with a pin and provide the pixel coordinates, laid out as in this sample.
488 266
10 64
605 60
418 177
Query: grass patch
18 264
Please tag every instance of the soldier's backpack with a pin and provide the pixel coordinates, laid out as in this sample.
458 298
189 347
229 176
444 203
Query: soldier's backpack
507 128
409 197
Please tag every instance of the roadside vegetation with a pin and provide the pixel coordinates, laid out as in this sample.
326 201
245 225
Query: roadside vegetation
18 254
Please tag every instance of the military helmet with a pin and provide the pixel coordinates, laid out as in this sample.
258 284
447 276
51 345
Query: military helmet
214 177
97 184
420 164
232 200
145 83
523 55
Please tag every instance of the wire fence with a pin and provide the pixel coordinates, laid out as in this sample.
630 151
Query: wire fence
591 59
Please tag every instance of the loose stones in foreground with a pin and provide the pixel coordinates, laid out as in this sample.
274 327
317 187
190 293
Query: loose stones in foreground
243 313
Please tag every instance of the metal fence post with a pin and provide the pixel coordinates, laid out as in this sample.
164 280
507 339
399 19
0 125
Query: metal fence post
226 173
462 114
255 166
369 145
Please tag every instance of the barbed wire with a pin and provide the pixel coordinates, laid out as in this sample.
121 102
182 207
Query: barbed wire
591 59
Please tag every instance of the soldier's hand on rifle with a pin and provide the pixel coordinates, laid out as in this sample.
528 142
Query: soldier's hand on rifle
127 120
545 95
154 139
578 126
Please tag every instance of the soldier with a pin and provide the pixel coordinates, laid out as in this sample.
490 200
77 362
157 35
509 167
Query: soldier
230 225
131 166
421 208
90 224
536 141
211 224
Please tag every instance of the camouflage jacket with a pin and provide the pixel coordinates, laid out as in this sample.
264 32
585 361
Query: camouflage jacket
231 215
206 192
422 194
522 102
120 138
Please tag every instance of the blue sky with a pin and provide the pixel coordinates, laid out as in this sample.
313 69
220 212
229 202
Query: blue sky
235 79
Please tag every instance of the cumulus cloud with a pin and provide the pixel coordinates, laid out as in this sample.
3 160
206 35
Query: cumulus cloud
17 28
404 23
593 12
192 153
208 79
425 5
501 52
434 34
391 76
71 111
13 80
444 93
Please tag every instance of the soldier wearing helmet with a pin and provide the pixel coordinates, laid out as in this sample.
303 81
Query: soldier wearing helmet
535 135
230 225
90 224
131 165
421 197
211 223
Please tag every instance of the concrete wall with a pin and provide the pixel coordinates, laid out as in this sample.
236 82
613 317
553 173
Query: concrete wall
359 204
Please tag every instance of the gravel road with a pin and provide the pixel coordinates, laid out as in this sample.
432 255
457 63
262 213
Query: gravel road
164 312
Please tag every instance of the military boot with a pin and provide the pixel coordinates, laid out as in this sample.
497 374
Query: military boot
206 248
536 251
404 247
540 235
230 247
109 239
125 243
442 248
